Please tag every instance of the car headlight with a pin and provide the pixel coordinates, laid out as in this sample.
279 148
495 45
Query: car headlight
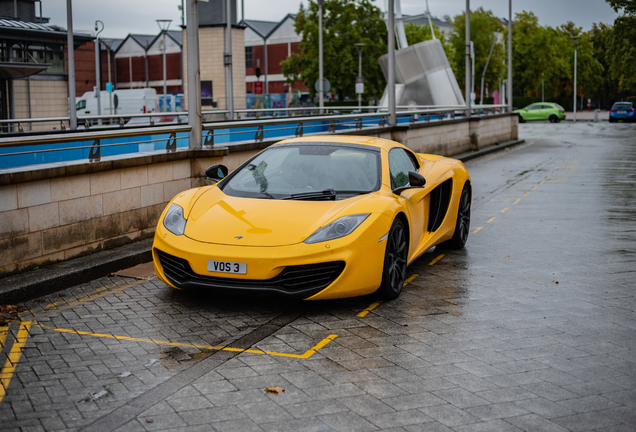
339 228
174 220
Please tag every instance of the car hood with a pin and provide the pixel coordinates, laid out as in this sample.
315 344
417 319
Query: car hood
218 218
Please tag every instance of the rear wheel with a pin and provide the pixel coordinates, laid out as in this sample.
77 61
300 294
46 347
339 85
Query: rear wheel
394 271
462 227
553 119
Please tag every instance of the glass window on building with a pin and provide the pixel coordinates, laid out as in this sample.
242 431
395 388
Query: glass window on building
249 57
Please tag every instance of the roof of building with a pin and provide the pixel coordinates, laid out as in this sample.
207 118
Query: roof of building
265 28
422 19
113 44
176 35
143 40
24 30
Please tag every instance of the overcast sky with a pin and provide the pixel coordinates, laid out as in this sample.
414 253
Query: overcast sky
138 16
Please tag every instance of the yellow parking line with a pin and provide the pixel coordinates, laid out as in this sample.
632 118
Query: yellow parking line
517 200
13 358
526 193
534 187
541 182
437 259
406 282
369 309
477 229
505 210
305 355
491 219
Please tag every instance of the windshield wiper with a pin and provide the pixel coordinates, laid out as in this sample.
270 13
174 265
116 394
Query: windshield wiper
327 194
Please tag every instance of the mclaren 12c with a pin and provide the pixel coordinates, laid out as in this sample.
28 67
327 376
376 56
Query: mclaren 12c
318 217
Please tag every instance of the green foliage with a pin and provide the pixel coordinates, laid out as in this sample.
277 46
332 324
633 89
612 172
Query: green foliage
621 52
483 26
541 50
631 99
628 6
608 89
416 33
345 22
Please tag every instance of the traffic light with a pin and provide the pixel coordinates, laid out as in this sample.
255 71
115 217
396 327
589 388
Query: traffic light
258 72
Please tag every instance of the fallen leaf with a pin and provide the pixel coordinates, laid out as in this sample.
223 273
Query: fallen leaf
274 389
556 282
405 325
149 420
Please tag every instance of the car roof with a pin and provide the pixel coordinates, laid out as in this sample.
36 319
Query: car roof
345 139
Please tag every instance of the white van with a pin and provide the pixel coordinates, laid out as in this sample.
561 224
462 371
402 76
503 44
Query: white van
135 101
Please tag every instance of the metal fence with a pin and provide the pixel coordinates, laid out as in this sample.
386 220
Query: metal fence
94 145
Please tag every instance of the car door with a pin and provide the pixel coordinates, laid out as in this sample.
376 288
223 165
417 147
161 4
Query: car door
401 162
534 111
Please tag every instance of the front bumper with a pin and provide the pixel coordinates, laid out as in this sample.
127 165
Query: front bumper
345 267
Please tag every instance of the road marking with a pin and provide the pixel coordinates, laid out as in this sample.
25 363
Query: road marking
541 182
379 302
60 306
305 355
534 187
491 219
13 357
526 193
477 229
437 259
505 210
547 178
408 281
517 200
370 308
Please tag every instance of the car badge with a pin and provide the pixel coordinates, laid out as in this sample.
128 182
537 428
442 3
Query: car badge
238 237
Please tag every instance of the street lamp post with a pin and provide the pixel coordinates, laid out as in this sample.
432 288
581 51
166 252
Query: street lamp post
98 63
483 75
542 93
509 82
321 101
468 63
575 41
163 25
391 77
71 66
360 48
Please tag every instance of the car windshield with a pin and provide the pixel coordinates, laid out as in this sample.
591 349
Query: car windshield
307 172
623 105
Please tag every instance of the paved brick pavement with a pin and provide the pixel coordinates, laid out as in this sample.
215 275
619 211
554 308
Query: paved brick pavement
482 339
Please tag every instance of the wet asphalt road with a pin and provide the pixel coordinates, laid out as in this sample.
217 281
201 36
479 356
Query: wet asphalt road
531 327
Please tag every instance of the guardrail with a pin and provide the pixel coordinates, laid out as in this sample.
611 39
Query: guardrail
89 145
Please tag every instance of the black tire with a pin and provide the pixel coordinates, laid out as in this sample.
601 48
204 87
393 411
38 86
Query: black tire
553 119
394 270
462 227
521 120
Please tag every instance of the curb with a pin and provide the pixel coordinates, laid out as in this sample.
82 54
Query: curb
490 149
31 284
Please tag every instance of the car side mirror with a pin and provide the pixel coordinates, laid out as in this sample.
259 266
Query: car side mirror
416 180
216 172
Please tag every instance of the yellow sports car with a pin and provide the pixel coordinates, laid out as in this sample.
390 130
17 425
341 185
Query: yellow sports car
318 217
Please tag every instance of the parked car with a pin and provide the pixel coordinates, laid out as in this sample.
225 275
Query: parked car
318 217
135 101
542 111
622 111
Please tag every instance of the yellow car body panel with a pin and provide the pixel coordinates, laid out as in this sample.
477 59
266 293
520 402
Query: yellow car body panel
268 234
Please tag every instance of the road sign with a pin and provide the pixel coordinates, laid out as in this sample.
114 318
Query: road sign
359 85
258 87
326 85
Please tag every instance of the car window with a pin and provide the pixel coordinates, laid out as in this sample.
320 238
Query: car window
560 107
534 107
81 105
622 105
400 163
282 171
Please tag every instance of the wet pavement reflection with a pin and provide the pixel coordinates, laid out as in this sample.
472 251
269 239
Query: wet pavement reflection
530 327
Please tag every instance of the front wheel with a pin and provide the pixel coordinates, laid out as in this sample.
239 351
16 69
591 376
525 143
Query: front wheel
462 227
394 270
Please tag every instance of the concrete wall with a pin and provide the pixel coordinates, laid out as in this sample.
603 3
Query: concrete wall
64 211
48 99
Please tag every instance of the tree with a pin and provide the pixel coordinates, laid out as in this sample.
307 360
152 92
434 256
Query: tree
621 45
483 30
344 24
608 89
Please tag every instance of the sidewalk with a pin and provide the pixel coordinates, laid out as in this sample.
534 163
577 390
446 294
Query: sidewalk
587 115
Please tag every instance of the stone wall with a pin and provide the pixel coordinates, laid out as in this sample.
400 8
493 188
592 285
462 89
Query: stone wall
50 214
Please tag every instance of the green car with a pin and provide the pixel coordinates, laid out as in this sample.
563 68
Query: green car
541 111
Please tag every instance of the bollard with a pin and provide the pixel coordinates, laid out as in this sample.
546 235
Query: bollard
596 115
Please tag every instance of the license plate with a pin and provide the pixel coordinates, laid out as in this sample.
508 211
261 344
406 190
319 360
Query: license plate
621 112
227 267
